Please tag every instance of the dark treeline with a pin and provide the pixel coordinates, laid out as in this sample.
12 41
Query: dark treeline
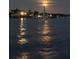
14 14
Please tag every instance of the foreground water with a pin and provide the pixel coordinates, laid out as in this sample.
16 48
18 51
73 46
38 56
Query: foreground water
48 39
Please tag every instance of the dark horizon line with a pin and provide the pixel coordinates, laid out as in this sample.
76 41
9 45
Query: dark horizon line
39 11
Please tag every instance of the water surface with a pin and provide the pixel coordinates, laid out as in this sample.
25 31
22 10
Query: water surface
48 39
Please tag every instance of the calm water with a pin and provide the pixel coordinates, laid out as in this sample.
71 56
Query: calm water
49 39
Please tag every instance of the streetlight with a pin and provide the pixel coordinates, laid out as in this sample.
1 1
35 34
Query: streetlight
22 14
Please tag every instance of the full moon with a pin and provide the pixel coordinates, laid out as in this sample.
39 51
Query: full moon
45 3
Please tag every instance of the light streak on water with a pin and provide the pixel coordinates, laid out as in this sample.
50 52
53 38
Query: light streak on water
24 55
45 31
45 28
56 49
22 35
47 53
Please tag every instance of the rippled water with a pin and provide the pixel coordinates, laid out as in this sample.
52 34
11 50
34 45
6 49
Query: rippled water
47 39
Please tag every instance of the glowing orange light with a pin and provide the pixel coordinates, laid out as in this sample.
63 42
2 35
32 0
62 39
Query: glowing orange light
45 3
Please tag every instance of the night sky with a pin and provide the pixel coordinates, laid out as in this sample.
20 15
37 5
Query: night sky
60 6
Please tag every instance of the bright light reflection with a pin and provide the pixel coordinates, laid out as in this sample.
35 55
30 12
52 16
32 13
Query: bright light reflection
24 55
22 41
45 39
21 19
22 38
48 53
46 27
22 23
22 33
22 29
